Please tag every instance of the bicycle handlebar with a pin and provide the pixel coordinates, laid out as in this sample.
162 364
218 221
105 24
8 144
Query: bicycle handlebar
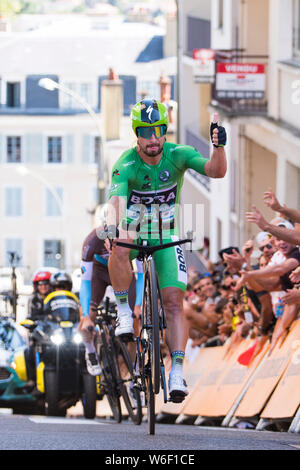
148 250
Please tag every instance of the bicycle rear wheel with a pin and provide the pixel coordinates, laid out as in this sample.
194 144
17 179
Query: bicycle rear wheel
130 393
152 318
110 374
150 406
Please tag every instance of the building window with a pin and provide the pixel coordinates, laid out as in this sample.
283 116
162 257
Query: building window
54 149
13 245
54 200
13 149
84 90
296 35
13 94
220 14
147 89
53 255
13 202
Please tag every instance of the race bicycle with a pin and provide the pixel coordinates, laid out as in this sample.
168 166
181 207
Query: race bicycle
118 378
149 364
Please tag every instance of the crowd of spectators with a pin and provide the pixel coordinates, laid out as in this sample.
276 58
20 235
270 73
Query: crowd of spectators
250 292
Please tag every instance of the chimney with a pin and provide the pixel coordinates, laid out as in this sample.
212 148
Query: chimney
112 106
165 97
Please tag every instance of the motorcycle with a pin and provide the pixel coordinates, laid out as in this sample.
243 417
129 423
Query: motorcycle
14 390
61 374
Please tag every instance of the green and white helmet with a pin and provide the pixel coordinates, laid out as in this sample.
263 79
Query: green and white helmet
149 112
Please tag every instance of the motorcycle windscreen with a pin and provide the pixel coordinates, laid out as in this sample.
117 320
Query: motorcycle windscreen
63 308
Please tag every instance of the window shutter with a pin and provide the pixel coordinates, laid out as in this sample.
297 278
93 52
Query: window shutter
32 149
38 97
69 148
87 148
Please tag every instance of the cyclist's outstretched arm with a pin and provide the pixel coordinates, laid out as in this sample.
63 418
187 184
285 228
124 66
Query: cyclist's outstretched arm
216 167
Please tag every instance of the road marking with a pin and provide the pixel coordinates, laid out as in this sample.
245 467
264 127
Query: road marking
53 420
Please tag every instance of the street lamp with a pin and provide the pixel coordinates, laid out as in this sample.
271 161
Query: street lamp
179 37
52 85
24 171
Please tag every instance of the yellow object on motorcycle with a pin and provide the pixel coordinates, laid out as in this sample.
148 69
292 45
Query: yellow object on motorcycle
27 323
66 324
20 365
40 384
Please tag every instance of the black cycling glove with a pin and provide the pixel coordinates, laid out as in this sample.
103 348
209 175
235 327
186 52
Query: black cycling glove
222 136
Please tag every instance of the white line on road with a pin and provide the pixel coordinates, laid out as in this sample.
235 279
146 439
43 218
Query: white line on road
53 420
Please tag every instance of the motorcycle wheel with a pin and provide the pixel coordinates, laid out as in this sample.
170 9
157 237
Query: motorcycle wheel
89 396
52 393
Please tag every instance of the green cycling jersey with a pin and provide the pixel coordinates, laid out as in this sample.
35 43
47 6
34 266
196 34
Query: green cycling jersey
147 185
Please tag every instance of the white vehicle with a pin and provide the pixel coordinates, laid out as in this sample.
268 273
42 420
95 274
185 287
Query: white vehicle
5 279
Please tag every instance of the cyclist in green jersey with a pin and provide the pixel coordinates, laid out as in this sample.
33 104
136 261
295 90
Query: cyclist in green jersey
146 177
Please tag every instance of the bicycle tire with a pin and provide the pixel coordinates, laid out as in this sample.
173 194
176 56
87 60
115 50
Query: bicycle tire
130 394
110 378
153 333
150 406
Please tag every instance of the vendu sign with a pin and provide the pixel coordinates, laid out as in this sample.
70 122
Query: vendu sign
244 81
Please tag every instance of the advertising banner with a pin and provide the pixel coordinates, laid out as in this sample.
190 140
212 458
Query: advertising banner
240 81
204 65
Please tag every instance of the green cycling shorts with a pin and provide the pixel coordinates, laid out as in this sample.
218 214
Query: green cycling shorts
169 263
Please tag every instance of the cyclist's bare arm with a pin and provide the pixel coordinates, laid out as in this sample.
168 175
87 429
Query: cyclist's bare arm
216 167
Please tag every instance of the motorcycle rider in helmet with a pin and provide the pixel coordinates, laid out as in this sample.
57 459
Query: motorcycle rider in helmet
61 281
41 288
62 300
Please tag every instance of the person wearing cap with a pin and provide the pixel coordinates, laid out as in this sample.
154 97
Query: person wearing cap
266 245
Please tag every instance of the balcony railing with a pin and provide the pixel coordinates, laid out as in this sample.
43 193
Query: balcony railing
253 103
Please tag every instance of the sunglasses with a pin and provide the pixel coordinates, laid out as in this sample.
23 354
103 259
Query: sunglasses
146 132
43 283
196 290
233 284
268 245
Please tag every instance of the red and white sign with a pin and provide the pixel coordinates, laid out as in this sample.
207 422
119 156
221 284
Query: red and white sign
236 80
204 65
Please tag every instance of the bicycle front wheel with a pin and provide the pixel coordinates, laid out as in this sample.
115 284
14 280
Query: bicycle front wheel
130 393
150 406
152 321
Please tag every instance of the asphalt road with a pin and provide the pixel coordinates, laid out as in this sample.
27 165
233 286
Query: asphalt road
19 432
